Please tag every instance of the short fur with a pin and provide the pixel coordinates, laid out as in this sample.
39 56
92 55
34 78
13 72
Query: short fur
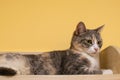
80 58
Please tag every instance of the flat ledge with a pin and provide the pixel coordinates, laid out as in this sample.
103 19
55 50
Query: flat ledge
63 77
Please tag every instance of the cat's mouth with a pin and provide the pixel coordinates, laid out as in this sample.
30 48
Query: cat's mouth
93 53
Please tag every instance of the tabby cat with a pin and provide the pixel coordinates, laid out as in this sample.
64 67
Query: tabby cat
81 58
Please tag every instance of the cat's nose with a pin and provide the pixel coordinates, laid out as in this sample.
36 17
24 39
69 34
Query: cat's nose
96 49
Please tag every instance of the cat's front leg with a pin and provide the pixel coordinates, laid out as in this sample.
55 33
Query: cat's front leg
107 71
80 69
87 71
96 72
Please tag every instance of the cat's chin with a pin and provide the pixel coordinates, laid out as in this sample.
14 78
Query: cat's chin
93 54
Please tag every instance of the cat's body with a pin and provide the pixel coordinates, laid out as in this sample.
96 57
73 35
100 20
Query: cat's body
81 58
52 63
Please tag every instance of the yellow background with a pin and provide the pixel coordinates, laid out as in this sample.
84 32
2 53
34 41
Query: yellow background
46 25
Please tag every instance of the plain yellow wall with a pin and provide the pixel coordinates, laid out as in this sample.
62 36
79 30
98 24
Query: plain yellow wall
45 25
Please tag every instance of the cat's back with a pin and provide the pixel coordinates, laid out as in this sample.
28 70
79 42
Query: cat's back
33 63
53 60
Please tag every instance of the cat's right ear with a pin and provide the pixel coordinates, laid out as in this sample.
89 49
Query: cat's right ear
81 28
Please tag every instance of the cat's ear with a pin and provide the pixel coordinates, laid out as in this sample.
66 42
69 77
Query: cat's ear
99 29
80 28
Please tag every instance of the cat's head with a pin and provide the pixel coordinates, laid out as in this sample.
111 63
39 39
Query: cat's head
86 40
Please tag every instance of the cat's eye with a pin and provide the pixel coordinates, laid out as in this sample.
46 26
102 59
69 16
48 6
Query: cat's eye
89 41
99 42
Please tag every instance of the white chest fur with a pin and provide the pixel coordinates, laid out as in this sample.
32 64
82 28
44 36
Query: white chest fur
94 61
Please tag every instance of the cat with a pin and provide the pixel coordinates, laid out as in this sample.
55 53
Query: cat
81 58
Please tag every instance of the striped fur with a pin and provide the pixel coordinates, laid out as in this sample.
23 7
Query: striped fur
80 58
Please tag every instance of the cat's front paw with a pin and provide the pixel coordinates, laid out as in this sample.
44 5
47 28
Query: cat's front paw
107 71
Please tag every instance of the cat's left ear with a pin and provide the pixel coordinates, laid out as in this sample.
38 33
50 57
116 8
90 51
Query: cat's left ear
99 29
